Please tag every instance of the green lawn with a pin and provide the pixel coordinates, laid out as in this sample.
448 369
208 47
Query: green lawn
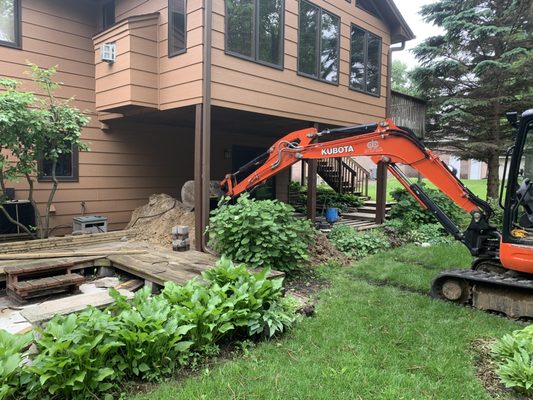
478 186
376 335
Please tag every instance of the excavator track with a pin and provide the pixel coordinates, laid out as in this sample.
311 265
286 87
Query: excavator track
490 291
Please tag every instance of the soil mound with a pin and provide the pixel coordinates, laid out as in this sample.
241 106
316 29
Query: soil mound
322 250
153 221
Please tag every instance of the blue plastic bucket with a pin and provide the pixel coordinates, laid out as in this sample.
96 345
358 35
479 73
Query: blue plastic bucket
332 214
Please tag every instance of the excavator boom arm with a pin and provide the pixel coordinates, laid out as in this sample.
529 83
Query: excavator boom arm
384 142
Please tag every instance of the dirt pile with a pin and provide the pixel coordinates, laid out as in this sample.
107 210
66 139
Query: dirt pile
153 221
322 250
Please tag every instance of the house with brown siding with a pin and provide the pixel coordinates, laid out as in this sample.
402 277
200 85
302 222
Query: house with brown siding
182 90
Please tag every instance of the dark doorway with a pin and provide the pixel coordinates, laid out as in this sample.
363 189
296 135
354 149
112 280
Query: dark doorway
242 155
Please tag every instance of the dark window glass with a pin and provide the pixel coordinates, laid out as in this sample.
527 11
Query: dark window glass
307 45
270 31
66 169
10 22
329 47
365 61
177 27
318 43
254 29
108 14
240 26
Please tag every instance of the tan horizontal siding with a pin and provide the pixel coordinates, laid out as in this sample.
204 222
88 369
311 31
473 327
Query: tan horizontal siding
246 85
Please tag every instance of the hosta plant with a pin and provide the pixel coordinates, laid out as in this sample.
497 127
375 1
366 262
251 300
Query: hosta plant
11 356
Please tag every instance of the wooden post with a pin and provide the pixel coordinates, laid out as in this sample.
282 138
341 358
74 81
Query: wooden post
302 176
311 190
381 193
198 187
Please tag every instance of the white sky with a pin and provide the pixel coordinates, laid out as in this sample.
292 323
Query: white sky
422 30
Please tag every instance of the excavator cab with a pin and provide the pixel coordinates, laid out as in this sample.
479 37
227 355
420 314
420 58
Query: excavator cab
516 249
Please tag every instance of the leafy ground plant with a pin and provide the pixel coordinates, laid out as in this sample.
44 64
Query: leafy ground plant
11 354
514 354
358 244
261 234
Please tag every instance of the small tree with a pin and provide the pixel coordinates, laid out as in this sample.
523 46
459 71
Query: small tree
35 128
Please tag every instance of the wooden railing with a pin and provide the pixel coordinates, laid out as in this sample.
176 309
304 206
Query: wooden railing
344 175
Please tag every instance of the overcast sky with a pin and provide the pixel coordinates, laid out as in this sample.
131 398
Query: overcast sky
409 10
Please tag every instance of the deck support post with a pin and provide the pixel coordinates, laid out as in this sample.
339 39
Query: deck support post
198 187
381 193
311 190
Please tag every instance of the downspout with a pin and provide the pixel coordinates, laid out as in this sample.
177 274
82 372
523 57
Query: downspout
389 77
206 116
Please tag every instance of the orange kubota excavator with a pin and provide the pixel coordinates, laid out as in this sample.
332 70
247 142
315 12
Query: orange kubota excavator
501 277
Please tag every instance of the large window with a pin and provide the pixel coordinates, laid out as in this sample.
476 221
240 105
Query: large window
254 30
177 27
67 168
318 43
108 14
10 23
365 61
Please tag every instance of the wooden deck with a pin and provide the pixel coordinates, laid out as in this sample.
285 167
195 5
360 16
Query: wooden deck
156 265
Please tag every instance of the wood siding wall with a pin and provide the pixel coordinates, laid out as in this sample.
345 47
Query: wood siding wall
249 86
133 79
180 79
126 164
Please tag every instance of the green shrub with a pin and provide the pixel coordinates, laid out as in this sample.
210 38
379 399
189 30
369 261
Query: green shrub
358 244
76 357
413 216
514 354
261 234
325 197
11 353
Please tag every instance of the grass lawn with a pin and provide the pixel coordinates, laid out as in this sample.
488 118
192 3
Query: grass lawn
478 186
376 335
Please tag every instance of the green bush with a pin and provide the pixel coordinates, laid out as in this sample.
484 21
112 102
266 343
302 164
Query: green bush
325 197
395 231
413 216
358 244
514 354
11 353
86 355
261 234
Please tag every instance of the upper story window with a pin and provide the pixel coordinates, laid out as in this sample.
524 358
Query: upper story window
369 6
10 23
318 43
108 14
254 30
365 61
177 27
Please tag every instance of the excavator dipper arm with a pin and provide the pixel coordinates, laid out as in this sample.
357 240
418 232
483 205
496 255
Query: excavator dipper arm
384 142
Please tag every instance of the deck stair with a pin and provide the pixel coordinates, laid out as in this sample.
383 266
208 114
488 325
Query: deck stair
344 175
364 216
28 282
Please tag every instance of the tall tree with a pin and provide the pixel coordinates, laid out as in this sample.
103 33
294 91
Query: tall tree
478 69
401 78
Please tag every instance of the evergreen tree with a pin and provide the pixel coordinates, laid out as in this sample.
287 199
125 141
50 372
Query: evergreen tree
476 71
401 78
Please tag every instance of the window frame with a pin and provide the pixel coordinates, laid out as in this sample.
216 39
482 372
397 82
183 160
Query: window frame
255 38
104 5
319 46
17 44
75 177
375 13
171 26
380 61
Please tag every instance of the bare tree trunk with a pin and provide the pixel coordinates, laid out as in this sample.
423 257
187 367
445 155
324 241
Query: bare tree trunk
50 199
493 179
38 221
